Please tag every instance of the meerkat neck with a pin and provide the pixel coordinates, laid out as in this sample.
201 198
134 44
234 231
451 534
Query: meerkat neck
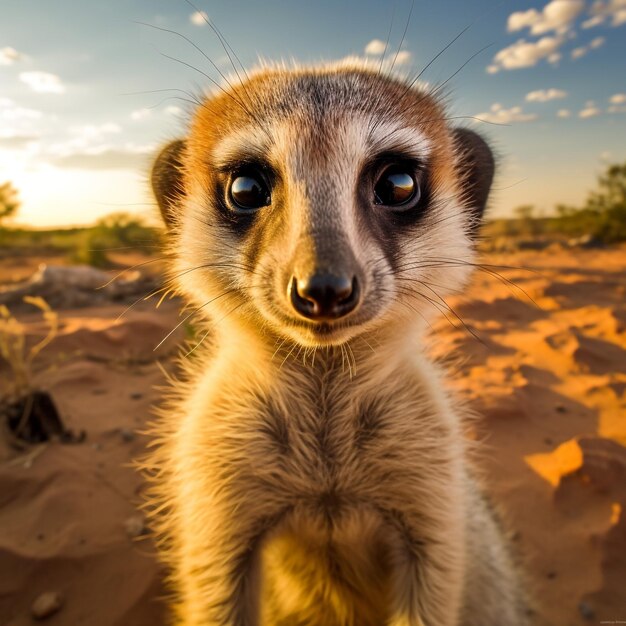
377 354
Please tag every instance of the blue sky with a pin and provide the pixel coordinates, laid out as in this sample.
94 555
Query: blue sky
78 146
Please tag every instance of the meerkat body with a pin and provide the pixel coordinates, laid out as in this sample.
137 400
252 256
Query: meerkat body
311 470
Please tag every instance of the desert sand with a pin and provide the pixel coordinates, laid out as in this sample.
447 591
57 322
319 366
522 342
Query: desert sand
540 359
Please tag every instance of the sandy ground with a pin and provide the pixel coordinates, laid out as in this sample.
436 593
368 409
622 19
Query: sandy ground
546 378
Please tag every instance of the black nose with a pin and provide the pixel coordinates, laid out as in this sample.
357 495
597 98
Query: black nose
323 297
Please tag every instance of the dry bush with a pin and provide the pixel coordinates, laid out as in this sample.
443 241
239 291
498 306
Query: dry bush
26 414
13 347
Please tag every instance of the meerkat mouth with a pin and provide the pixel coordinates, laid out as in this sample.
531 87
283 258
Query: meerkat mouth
319 334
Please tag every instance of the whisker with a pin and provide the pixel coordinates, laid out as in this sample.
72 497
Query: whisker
406 28
382 56
191 95
128 269
208 58
187 317
225 45
160 102
288 355
228 49
208 332
461 68
453 312
282 343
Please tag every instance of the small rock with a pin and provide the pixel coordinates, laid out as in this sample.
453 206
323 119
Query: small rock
47 604
548 441
135 526
586 241
586 610
127 435
551 575
560 408
137 395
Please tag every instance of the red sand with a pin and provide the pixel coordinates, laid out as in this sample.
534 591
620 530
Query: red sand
548 383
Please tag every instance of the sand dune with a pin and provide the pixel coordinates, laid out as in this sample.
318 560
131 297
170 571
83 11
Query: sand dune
549 383
546 378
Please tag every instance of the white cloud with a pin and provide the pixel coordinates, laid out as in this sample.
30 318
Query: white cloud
140 114
94 131
90 146
597 42
10 112
85 138
375 47
554 58
522 19
618 103
403 57
613 10
594 44
590 110
107 157
372 63
525 53
544 95
43 82
557 15
9 55
499 115
198 18
14 141
16 114
596 20
563 113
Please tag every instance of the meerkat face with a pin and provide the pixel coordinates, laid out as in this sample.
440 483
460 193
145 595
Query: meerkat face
317 204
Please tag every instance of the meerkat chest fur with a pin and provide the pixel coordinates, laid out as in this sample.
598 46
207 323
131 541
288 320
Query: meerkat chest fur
316 430
305 457
312 468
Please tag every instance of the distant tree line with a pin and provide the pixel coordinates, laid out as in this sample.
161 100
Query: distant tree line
9 202
602 217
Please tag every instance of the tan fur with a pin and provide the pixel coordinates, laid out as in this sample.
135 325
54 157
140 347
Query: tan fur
304 484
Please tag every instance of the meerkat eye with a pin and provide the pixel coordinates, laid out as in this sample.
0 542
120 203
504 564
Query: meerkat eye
249 191
396 187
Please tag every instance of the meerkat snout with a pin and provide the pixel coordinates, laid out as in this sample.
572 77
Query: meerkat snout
326 282
324 296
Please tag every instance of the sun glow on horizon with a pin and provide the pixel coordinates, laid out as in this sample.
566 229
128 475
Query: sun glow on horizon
79 122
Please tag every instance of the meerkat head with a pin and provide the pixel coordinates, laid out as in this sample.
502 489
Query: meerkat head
317 204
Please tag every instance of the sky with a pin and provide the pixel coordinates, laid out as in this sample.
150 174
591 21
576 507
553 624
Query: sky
88 93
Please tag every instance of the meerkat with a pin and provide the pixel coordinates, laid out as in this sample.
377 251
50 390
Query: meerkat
310 469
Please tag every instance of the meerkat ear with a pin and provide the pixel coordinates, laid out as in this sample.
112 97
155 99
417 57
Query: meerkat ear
167 179
477 166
